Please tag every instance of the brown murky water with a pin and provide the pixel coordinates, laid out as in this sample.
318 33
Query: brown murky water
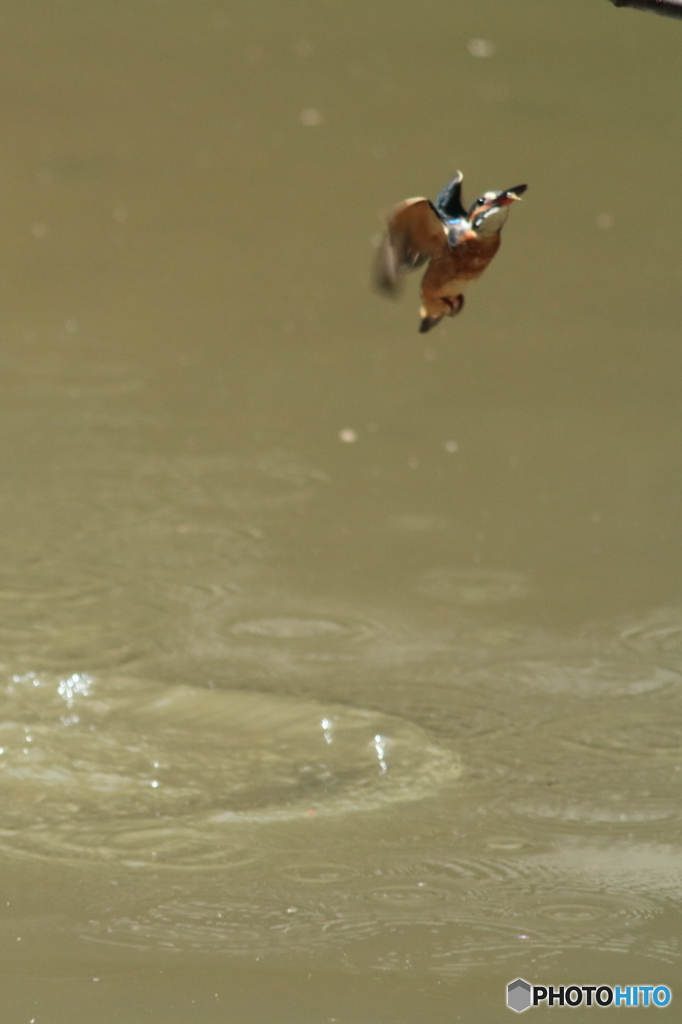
304 729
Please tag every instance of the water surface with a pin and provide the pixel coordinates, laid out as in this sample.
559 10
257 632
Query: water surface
341 669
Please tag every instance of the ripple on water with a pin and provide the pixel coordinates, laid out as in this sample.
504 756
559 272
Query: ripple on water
449 912
528 902
447 872
648 734
473 587
295 642
318 874
193 482
658 634
416 895
52 623
313 632
44 584
612 808
125 770
303 628
77 378
572 912
231 925
414 522
407 878
587 676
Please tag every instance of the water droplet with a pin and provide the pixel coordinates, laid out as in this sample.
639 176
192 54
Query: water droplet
481 48
311 118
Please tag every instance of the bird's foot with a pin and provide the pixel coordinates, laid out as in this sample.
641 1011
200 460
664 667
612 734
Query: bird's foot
454 305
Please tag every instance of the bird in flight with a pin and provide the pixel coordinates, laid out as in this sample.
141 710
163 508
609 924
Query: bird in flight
458 246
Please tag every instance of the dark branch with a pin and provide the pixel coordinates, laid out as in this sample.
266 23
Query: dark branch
670 8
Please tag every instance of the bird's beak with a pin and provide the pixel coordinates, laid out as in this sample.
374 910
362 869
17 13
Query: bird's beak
510 195
427 322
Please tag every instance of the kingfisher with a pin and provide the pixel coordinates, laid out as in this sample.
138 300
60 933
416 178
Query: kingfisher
458 245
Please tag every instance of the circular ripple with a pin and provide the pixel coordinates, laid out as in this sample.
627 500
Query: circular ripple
660 634
413 522
652 734
230 925
574 910
416 895
54 620
130 771
270 481
292 629
589 677
571 912
30 593
308 629
318 874
506 843
473 587
611 809
62 646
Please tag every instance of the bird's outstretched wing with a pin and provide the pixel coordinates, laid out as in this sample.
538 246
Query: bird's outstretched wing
415 234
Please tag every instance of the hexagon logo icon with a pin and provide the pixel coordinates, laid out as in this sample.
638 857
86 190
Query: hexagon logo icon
518 995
